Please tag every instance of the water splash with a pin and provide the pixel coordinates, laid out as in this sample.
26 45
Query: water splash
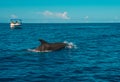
70 45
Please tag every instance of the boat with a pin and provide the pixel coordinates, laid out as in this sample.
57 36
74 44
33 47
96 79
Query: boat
15 23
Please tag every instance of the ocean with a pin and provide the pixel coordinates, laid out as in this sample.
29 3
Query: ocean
96 57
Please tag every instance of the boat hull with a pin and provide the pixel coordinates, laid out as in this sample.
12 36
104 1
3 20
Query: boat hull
14 26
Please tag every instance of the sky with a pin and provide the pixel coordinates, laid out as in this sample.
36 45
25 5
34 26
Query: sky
60 11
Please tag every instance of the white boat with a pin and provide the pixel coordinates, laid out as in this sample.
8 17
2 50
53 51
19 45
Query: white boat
15 23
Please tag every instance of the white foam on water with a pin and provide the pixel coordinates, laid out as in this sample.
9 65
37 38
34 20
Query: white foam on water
34 50
70 45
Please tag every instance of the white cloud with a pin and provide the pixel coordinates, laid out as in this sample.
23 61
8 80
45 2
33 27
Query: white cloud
62 15
14 16
116 17
47 13
86 17
55 14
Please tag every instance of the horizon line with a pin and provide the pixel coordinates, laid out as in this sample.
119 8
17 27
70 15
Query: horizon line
63 22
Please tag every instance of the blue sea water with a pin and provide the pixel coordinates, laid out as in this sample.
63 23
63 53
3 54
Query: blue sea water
96 58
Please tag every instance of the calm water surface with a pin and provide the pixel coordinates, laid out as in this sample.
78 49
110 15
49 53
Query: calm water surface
96 58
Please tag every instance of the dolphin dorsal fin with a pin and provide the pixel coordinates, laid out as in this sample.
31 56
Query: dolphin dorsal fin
43 41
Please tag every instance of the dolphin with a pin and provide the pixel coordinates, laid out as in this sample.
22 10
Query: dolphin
45 46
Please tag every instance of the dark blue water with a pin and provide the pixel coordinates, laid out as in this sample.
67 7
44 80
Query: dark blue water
96 58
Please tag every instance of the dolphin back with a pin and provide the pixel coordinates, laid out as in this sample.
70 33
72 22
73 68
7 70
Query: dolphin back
56 46
43 41
45 46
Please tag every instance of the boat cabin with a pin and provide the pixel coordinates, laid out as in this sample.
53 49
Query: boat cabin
15 23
